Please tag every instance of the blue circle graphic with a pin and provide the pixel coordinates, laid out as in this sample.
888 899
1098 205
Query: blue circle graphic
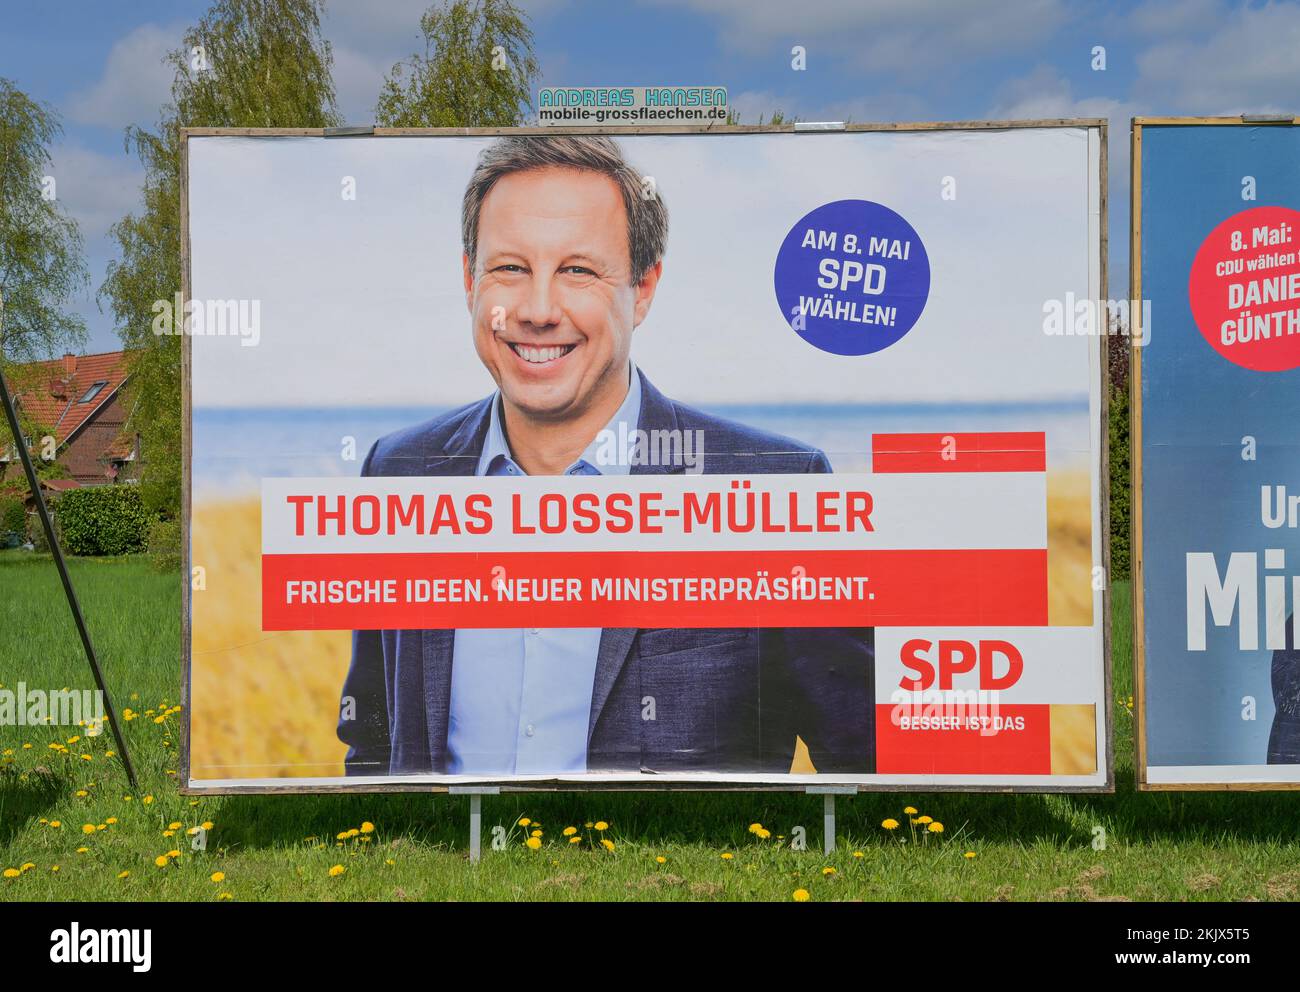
852 277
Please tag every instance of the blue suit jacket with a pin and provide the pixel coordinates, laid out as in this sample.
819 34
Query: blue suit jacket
726 699
1284 736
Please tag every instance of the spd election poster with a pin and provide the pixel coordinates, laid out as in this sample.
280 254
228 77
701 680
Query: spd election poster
705 458
1217 459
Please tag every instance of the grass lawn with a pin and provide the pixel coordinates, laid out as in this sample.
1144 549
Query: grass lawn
1157 846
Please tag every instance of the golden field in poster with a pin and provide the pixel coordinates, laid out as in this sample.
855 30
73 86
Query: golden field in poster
265 704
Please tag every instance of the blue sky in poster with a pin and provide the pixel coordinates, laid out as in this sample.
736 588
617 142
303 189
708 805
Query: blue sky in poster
100 64
1200 495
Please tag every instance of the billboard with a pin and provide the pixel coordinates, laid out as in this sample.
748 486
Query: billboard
1216 397
732 457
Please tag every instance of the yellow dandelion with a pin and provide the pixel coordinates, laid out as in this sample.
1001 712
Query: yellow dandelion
11 873
173 854
570 831
82 793
575 840
174 825
755 827
801 895
123 874
54 867
161 861
828 870
602 825
661 860
969 854
82 850
607 844
925 819
367 827
857 854
111 819
147 800
225 895
207 825
169 833
336 871
524 821
535 833
56 824
217 876
935 828
534 843
890 824
87 828
727 855
910 810
763 833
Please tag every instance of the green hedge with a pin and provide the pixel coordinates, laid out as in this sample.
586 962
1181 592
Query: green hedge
1120 497
13 516
165 545
103 520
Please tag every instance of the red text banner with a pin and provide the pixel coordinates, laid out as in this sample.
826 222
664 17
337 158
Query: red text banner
709 551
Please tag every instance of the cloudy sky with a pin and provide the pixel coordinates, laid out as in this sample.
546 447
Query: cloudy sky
363 300
99 63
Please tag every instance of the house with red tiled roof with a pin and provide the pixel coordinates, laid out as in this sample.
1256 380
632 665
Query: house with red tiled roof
79 400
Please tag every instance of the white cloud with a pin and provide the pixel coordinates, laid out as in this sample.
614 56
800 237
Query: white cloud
1246 64
751 104
1045 94
899 36
1174 18
96 189
135 82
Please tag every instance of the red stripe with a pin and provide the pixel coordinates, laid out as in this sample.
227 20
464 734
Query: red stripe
965 751
907 588
1005 451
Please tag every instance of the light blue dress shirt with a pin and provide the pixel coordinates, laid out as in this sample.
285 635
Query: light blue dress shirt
521 699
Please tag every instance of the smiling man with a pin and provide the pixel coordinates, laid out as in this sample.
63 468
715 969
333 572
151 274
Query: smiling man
563 246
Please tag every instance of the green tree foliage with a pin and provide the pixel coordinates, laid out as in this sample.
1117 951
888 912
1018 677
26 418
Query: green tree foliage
248 63
41 267
477 70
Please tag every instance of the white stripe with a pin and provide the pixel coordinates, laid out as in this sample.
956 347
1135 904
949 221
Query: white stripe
909 512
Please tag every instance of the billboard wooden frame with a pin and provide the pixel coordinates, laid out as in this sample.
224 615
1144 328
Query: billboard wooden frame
828 784
1135 452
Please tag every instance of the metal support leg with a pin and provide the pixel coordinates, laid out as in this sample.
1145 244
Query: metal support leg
828 794
475 827
476 794
42 511
828 824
